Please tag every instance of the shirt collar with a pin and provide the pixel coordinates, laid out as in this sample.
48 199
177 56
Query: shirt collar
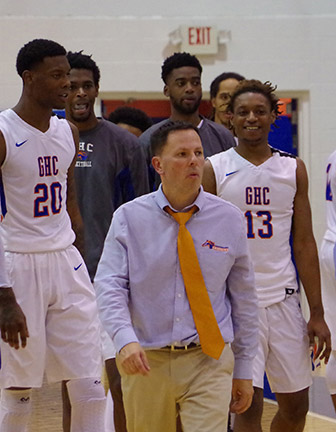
162 201
200 124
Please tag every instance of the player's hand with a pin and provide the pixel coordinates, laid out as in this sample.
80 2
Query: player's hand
133 359
242 394
13 325
319 333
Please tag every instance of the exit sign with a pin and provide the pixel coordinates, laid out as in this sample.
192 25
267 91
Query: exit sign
199 39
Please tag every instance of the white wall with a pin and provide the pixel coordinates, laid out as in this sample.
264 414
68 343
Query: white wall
290 43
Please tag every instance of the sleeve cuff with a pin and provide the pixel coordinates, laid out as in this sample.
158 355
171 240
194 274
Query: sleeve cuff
243 369
124 337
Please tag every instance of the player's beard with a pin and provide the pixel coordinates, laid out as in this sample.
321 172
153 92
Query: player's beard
189 109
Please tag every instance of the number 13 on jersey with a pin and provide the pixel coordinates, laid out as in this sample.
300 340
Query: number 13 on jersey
267 228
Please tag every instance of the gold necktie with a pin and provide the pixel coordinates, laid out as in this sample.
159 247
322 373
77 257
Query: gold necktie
211 339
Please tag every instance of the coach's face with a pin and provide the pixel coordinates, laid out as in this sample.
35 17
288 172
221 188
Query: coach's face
181 163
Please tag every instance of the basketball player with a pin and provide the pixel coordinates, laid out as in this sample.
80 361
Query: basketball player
328 259
132 119
181 74
47 273
110 170
220 90
271 188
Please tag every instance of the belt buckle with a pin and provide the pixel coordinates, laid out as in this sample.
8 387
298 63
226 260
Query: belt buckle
178 348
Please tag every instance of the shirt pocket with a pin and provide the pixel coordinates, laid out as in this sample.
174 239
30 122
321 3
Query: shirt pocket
215 265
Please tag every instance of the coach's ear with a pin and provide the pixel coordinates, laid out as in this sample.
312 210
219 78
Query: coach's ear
157 164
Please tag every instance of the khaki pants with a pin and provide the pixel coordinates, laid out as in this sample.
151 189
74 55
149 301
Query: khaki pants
190 382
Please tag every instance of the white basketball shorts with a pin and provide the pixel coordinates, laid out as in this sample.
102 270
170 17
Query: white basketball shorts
283 350
58 299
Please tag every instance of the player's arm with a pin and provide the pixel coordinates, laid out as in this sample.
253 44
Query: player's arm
306 258
13 324
72 204
209 179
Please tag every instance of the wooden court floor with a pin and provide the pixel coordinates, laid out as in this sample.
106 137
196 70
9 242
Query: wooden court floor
47 413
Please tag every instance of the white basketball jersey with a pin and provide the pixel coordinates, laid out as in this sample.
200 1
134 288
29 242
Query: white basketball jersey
265 194
34 185
330 233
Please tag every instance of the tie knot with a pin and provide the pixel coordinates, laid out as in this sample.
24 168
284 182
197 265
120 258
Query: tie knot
182 217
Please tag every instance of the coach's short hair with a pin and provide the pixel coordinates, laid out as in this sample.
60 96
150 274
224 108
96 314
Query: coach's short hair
159 137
